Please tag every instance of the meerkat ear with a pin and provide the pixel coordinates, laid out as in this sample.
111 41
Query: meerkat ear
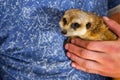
88 25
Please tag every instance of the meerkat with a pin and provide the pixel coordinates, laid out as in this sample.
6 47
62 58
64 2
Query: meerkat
85 25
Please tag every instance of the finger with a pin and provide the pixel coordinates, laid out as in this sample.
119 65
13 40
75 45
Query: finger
102 46
79 67
114 26
91 70
87 54
90 66
84 63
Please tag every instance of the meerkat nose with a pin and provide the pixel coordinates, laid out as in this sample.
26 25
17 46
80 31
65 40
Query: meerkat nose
64 31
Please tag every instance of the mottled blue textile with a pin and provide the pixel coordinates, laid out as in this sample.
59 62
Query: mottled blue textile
113 3
31 43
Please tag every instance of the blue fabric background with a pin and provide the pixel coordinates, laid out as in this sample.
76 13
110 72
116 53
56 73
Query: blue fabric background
113 3
31 45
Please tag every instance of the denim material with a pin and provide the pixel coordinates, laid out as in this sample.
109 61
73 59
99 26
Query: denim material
31 43
113 3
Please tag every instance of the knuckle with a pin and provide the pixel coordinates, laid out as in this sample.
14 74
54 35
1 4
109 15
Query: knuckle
109 70
84 53
88 45
113 49
85 64
102 58
109 60
104 61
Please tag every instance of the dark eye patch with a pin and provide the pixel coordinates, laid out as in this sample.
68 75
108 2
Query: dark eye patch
75 25
64 21
88 25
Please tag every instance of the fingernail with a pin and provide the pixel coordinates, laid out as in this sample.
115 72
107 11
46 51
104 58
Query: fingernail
73 65
106 18
66 46
68 54
72 41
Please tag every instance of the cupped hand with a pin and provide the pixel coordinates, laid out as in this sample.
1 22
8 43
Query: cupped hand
99 57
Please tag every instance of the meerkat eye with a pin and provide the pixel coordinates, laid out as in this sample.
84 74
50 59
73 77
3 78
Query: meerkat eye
75 25
88 25
64 21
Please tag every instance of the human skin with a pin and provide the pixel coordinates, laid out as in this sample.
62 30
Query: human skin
99 57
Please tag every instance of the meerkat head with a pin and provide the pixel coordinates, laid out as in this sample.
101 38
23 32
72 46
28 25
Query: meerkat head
75 23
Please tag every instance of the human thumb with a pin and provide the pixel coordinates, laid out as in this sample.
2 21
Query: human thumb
113 25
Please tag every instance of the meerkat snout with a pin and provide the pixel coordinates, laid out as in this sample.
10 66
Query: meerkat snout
64 31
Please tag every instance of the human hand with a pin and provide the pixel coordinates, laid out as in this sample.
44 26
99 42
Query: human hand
99 57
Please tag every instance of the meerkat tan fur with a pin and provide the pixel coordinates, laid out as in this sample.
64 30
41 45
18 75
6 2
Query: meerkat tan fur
87 26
